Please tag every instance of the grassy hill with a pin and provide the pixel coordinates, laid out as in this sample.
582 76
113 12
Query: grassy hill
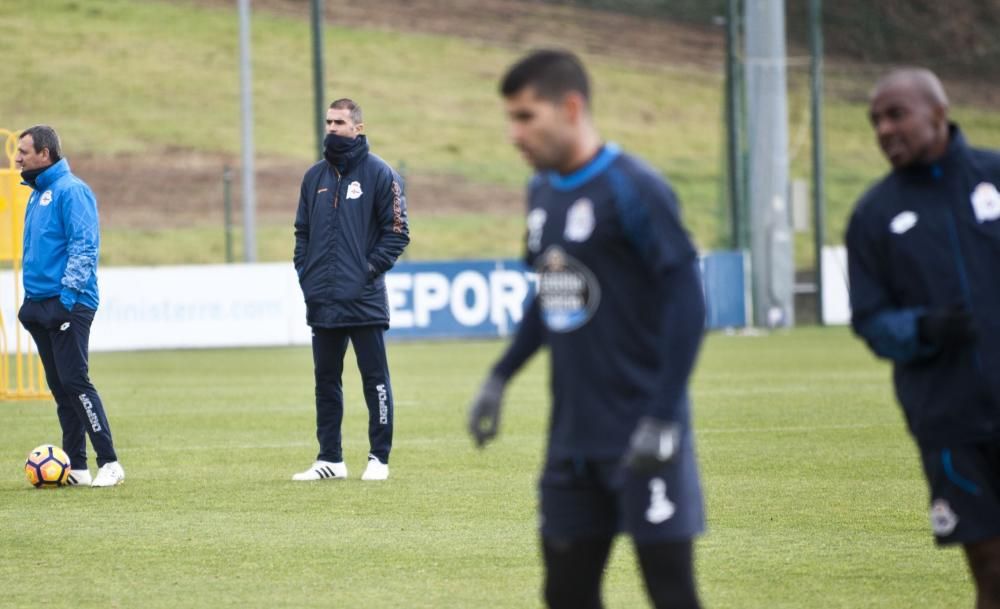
123 80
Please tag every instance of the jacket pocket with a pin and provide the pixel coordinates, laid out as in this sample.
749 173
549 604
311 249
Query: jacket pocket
28 313
350 281
56 315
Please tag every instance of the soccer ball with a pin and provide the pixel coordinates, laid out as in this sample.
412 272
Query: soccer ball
47 467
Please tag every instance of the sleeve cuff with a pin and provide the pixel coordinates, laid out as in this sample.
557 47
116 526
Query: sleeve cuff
894 336
68 298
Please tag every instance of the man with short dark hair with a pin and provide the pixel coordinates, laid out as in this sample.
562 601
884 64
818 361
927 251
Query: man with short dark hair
923 250
620 307
61 241
350 228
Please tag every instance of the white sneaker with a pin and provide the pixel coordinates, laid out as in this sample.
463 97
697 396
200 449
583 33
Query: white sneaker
79 477
322 470
376 470
110 474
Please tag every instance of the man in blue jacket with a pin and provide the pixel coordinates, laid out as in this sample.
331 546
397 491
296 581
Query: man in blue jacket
620 307
350 228
61 241
924 262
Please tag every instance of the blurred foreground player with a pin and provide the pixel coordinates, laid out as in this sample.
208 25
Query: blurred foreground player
61 241
620 307
924 261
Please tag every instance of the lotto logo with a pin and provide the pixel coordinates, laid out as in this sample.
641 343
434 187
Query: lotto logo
383 404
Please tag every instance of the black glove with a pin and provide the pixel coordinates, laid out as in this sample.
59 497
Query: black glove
947 328
654 444
484 414
372 273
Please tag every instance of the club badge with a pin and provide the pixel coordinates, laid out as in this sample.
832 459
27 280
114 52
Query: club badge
986 202
354 190
46 198
943 519
567 290
580 220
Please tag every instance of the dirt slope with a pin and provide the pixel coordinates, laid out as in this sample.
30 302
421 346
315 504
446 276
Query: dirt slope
184 188
523 23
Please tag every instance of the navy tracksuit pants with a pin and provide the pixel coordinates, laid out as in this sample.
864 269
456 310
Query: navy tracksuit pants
329 347
62 339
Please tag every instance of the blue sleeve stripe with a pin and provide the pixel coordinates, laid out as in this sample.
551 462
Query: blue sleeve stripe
893 335
633 215
949 470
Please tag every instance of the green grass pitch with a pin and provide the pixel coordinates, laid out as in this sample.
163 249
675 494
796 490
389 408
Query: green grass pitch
815 497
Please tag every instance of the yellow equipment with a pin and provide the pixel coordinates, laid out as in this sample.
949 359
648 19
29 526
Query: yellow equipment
21 373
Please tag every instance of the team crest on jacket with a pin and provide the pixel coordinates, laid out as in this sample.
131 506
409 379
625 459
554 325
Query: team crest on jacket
986 202
567 290
46 198
579 220
354 190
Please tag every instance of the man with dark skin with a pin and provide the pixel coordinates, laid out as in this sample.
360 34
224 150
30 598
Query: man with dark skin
924 257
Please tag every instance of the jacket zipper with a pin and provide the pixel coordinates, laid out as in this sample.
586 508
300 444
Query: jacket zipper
336 192
963 278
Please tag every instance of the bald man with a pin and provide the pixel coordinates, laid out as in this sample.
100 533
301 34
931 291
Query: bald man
924 262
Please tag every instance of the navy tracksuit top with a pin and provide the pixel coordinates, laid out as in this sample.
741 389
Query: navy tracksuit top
349 230
619 304
923 238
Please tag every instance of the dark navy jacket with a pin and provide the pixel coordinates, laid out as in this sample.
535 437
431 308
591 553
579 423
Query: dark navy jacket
924 238
620 303
344 224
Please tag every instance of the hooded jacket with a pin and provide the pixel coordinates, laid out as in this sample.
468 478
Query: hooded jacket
928 237
61 239
350 228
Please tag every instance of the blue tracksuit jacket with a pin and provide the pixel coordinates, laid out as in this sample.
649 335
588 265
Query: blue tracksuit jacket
620 303
923 238
344 224
61 239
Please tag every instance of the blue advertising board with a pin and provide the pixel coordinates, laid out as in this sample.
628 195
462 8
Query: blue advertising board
723 277
486 298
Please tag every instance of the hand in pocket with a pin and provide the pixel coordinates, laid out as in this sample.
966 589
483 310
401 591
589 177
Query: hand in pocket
59 316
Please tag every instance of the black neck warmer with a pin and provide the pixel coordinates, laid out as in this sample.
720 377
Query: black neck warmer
344 153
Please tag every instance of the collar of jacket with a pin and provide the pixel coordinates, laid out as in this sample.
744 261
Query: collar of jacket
945 165
50 175
352 158
591 169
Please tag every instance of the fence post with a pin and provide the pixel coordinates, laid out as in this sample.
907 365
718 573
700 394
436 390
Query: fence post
227 207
